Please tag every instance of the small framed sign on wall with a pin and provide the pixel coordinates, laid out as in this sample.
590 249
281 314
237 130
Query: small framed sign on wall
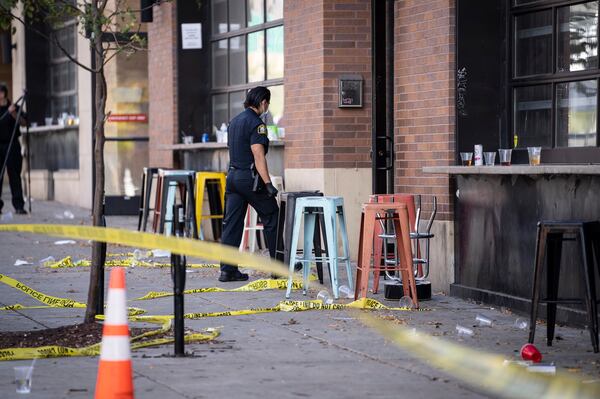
350 91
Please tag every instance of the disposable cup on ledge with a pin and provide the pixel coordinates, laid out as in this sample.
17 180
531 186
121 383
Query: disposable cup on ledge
505 156
466 158
463 331
521 324
535 155
406 302
324 297
484 321
490 158
346 292
23 378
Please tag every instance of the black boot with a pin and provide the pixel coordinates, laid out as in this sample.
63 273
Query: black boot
232 276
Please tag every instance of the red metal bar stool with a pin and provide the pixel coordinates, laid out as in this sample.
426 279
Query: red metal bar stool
397 214
379 257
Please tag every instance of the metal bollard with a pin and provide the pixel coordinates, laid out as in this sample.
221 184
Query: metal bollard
178 266
100 292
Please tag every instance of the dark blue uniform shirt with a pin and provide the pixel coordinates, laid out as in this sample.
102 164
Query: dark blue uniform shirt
245 130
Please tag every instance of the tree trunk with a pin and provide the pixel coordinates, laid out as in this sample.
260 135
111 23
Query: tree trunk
98 208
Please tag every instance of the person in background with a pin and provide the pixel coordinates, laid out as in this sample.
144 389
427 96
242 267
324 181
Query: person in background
13 158
248 145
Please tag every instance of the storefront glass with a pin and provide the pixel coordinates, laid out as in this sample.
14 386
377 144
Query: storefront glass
578 37
577 104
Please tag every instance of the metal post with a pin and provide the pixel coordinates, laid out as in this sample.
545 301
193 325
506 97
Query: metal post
100 291
178 266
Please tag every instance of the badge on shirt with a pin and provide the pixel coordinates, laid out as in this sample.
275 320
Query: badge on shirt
262 129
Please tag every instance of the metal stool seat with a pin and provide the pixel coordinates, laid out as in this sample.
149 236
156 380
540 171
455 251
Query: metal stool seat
332 209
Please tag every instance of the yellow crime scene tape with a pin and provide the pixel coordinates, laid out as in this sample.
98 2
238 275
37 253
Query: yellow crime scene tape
57 302
258 285
183 246
94 350
283 306
475 367
254 286
67 263
484 370
49 300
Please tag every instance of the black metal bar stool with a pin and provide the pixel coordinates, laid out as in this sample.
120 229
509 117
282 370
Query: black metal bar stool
285 222
147 179
168 183
550 237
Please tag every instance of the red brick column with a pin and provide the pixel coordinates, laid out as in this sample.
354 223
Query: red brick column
303 82
162 84
335 42
424 97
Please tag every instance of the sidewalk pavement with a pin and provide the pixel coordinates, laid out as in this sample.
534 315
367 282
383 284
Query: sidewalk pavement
325 354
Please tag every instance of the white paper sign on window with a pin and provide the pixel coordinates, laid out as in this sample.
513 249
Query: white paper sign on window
191 36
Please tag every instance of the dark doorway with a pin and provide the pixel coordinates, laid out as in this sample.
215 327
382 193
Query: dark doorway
382 136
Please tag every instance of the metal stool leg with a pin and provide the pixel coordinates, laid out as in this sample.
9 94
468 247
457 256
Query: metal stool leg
293 249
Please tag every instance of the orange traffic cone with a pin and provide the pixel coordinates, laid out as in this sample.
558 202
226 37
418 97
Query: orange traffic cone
114 372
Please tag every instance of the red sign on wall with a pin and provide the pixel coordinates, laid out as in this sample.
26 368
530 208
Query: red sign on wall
140 118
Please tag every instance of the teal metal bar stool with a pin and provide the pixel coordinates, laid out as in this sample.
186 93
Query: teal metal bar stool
332 209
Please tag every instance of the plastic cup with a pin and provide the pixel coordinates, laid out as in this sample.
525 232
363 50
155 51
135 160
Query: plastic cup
406 302
324 297
346 292
521 324
490 158
466 158
463 331
505 156
535 155
484 321
23 378
530 352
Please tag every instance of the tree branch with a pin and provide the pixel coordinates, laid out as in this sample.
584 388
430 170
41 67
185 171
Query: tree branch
51 38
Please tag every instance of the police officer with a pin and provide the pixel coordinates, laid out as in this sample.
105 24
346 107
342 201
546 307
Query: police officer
11 152
248 180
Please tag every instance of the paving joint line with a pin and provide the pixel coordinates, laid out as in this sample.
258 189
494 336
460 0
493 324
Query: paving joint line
164 385
27 317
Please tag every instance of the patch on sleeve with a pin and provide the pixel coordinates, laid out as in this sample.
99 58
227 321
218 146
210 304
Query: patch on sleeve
262 129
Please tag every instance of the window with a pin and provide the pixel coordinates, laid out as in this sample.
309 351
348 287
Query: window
247 51
63 72
555 74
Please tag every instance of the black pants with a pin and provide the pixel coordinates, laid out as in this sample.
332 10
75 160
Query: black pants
238 194
13 169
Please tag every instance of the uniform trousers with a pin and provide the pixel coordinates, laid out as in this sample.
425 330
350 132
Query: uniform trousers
238 194
13 169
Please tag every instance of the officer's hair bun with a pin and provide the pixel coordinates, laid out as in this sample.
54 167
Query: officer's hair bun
256 95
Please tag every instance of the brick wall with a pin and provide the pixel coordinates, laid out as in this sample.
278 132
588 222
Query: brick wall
303 82
162 70
335 42
347 50
424 97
